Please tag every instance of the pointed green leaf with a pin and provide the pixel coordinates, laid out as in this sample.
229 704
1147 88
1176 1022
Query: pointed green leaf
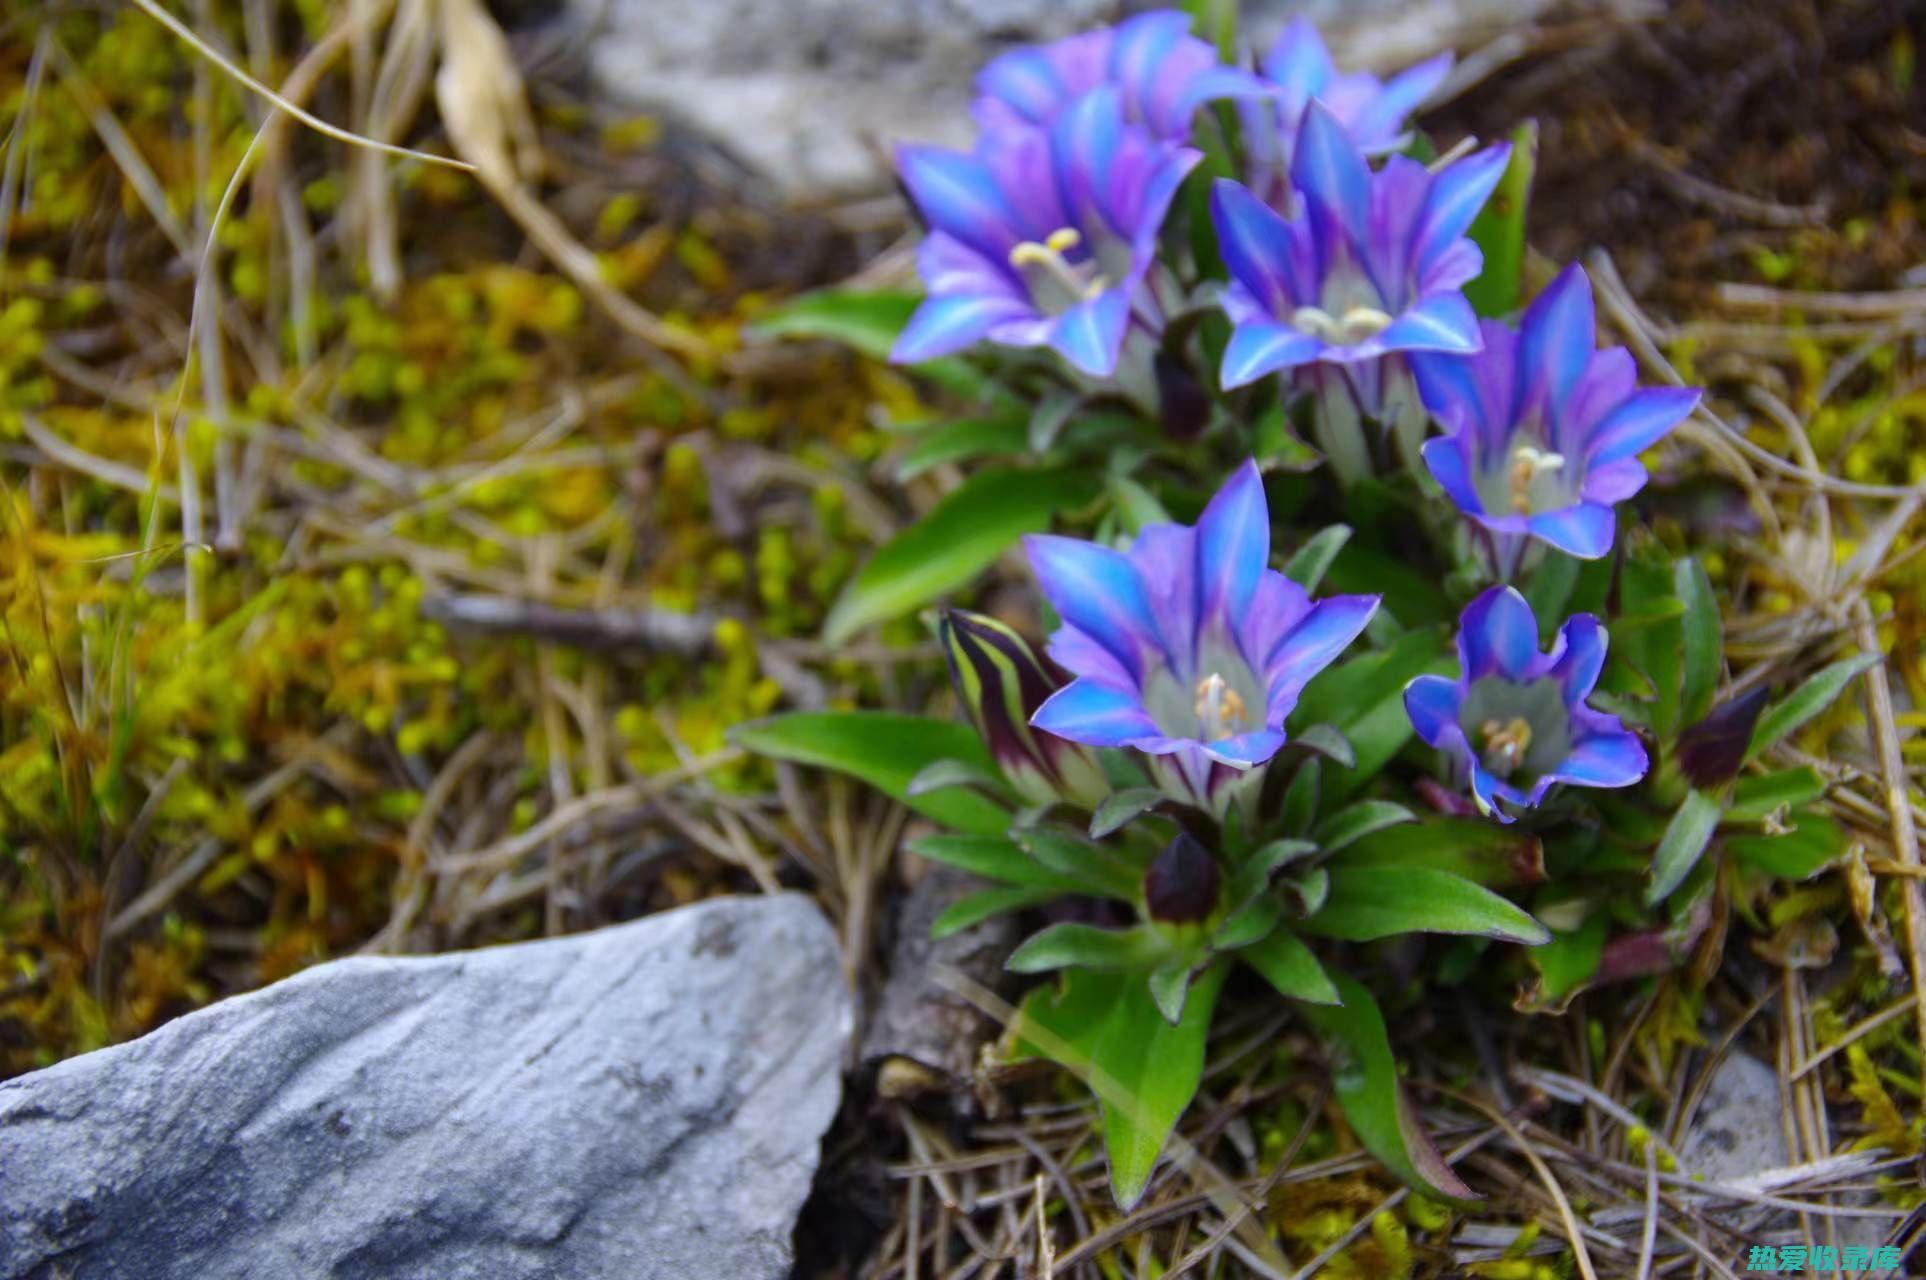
1168 986
1369 903
1100 869
1053 409
1121 808
1135 505
1704 640
1325 740
1813 841
1364 1075
961 441
1308 565
994 858
1566 964
1487 853
1307 892
1364 698
956 541
1245 925
945 775
1288 965
1683 843
1756 795
975 908
1071 945
1499 230
1349 825
865 321
885 750
1808 700
1300 798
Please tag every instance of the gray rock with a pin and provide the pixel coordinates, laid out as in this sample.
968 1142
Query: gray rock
1736 1131
812 94
643 1101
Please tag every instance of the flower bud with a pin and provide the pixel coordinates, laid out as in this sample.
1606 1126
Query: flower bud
1001 683
1181 401
1182 884
1711 751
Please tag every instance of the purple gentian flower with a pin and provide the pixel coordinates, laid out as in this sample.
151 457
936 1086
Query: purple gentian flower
1544 429
1162 74
1041 236
1368 269
1299 68
1515 720
1186 646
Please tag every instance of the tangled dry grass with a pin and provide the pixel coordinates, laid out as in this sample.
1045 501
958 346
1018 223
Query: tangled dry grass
388 546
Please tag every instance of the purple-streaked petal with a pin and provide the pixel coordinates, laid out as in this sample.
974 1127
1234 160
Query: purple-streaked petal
1490 789
1277 605
1603 760
1401 95
1256 244
1497 635
1246 749
1083 656
1260 347
1557 336
956 193
1166 560
1084 141
1614 482
1090 334
1096 590
945 324
1330 172
1445 322
1578 656
1457 192
1584 530
1094 714
1299 62
1432 704
1446 459
1325 631
1640 422
1233 543
1456 266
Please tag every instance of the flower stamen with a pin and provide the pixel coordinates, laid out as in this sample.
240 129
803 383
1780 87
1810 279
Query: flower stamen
1505 744
1081 282
1527 464
1220 711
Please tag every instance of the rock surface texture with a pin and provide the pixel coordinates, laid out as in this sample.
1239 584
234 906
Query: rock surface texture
644 1101
813 94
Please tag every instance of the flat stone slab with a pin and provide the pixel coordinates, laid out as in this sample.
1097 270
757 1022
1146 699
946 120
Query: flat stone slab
639 1102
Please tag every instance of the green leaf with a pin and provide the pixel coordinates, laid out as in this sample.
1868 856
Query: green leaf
957 540
1245 925
1300 798
1649 634
1349 825
1413 598
1549 588
1070 945
1326 741
1486 853
961 441
1136 506
1169 985
1287 964
1098 869
1366 903
1047 418
1363 697
1499 230
945 775
1105 1027
1801 853
978 907
865 321
1364 1074
1307 891
1123 807
1567 963
994 858
1683 843
1756 795
1308 565
1808 700
886 750
1704 640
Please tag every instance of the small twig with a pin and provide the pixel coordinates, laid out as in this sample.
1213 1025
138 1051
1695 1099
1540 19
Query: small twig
686 634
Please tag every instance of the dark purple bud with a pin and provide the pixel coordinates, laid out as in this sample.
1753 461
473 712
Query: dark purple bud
1711 751
1001 683
1182 883
1181 401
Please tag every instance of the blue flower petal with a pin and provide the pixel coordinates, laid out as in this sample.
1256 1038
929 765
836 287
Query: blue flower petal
956 192
1641 421
1330 172
1233 544
1444 322
1488 790
1457 192
1256 244
1432 703
1299 61
1578 657
1097 590
1260 347
1446 458
1614 482
1584 530
1090 335
1026 80
1246 749
948 323
1325 631
1497 635
1603 760
1558 335
1095 714
1084 141
1401 95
